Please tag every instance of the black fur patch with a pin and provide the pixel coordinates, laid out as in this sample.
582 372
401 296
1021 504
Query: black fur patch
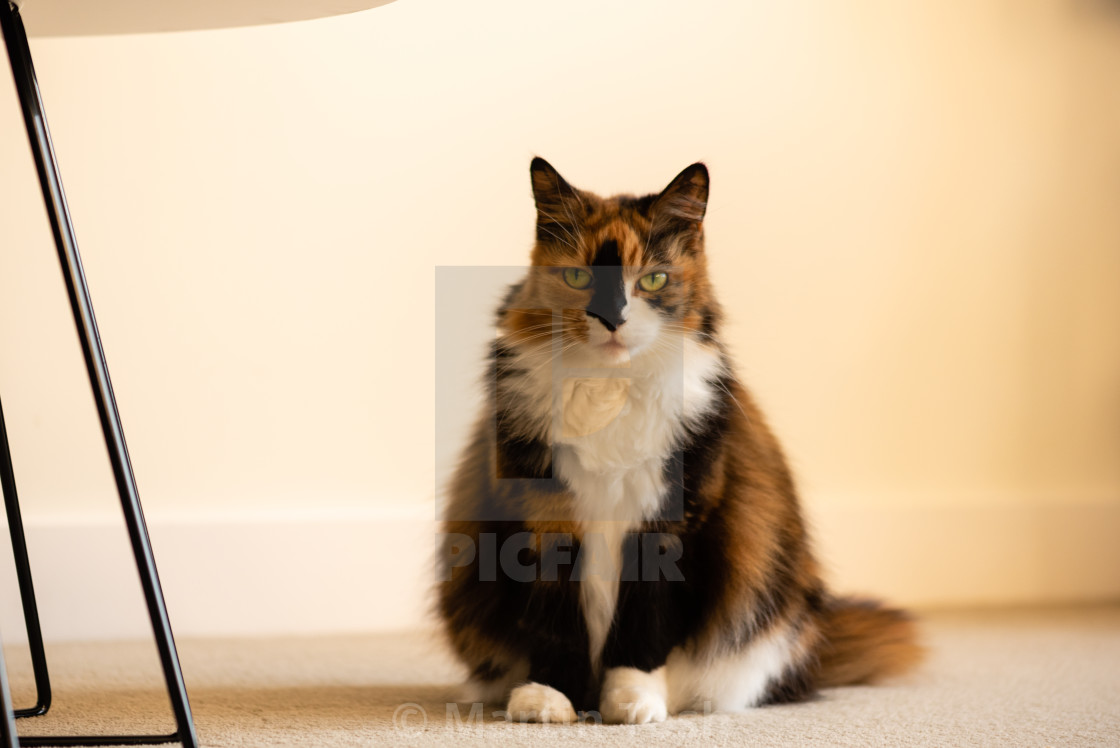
707 323
511 293
607 255
640 205
521 457
608 297
540 621
795 684
685 470
651 616
488 671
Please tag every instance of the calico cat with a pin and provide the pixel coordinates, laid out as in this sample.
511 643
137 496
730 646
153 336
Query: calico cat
623 535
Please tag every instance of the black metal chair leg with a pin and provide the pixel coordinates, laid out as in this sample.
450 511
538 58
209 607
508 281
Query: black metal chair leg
23 574
8 736
27 88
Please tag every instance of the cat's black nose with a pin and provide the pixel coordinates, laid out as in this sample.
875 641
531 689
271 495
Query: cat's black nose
610 321
608 297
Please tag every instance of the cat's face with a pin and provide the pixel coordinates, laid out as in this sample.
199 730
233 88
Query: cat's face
616 277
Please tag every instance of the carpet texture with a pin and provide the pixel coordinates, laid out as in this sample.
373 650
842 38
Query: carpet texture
1008 678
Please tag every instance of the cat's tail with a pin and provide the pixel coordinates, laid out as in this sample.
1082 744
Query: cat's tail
863 642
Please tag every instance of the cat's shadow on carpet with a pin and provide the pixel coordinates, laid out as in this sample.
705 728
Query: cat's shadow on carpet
273 709
319 706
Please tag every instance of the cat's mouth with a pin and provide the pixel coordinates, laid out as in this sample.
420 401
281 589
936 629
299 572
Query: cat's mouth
613 349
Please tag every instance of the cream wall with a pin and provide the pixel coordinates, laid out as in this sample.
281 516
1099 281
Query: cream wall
913 227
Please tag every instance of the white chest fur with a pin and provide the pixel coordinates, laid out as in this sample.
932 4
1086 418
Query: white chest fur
612 431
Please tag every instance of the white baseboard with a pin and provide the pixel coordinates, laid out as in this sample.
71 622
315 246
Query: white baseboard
262 575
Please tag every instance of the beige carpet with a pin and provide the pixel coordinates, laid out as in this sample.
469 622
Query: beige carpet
1010 678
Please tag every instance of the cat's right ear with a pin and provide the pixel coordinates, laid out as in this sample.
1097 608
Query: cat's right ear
554 196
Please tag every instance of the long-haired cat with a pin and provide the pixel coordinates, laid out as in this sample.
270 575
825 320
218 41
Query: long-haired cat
623 535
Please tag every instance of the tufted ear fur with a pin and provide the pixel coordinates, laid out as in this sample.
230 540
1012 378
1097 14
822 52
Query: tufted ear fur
681 205
557 201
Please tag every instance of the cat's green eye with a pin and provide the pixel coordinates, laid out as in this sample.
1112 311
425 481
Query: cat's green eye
653 282
577 278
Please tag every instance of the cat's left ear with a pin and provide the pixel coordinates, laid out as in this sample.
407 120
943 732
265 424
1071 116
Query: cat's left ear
683 203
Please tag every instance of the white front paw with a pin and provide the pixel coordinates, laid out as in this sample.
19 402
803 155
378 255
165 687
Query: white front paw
535 702
633 706
633 697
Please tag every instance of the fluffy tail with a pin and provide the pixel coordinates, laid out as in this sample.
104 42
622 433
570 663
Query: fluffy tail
864 642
